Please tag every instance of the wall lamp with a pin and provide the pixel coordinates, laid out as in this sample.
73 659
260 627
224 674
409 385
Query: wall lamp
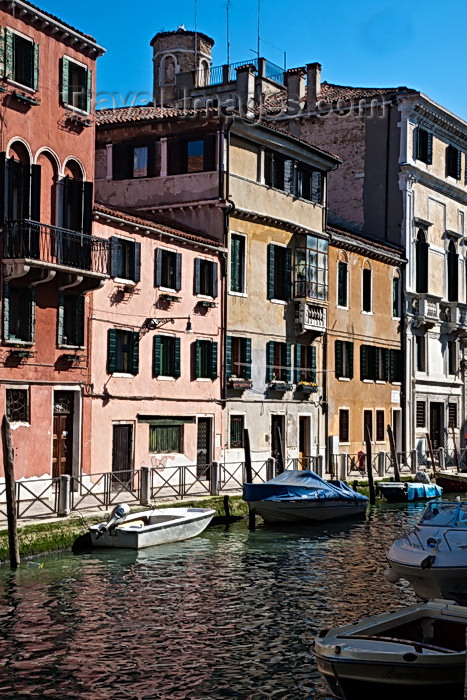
153 323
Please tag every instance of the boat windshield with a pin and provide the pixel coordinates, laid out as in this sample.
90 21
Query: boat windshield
445 514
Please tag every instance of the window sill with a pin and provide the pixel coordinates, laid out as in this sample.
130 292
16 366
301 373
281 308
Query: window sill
343 379
346 308
380 381
122 375
15 342
396 383
26 88
76 111
367 313
126 282
62 346
238 294
368 381
204 379
280 302
166 379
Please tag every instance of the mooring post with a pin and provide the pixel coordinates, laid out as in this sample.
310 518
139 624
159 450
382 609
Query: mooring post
145 486
397 476
369 470
64 507
441 458
248 474
214 479
270 468
227 507
9 469
413 461
381 463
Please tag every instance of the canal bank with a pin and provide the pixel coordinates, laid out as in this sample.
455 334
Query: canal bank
36 537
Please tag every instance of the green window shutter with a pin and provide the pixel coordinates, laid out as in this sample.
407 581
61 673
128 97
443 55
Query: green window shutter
60 318
247 367
197 276
111 350
31 306
271 270
176 363
88 90
178 272
136 276
288 362
338 347
198 368
135 353
313 363
228 356
342 284
373 362
35 204
416 142
36 67
287 275
363 362
429 149
157 356
298 362
213 360
350 358
269 360
2 51
88 202
9 53
115 257
214 269
65 80
386 364
158 275
80 321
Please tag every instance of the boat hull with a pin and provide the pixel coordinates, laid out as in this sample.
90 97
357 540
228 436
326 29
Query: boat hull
302 511
175 529
452 482
402 492
438 581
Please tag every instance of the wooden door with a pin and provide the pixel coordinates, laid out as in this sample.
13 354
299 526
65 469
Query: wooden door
122 450
436 425
303 442
203 448
277 442
62 454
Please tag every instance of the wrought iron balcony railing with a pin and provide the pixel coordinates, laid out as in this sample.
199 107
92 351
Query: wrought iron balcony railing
31 240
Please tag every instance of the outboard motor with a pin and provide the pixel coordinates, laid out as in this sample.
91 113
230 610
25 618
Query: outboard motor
119 513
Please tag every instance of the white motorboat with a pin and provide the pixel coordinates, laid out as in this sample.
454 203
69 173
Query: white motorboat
413 652
433 555
150 527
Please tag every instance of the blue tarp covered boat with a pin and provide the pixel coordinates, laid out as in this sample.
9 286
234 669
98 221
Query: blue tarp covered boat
398 492
296 496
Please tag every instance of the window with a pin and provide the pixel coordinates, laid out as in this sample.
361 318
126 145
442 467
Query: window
17 405
381 358
343 357
166 356
421 263
236 431
420 349
367 425
310 183
279 272
274 170
278 361
374 363
191 155
76 85
452 415
122 351
205 280
238 357
305 363
168 269
21 199
366 288
70 320
134 161
420 418
452 357
125 259
380 426
21 57
423 145
342 283
343 425
396 367
396 296
166 439
18 313
453 272
237 263
205 359
77 203
293 177
453 162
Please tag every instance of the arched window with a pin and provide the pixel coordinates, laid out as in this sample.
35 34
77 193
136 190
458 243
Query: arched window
76 199
366 287
49 166
453 272
22 184
396 294
203 74
342 280
421 263
168 70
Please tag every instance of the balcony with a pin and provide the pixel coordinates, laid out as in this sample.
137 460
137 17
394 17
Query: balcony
310 317
31 249
456 319
426 312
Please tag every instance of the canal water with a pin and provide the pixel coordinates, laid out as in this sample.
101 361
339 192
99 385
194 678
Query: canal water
229 614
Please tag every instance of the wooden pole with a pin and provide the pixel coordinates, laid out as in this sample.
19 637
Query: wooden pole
456 455
248 474
9 469
392 444
371 483
430 447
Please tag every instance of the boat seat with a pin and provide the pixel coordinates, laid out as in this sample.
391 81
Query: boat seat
140 522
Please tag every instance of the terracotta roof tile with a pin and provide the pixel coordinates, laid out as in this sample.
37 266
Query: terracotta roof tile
163 223
121 115
331 92
56 19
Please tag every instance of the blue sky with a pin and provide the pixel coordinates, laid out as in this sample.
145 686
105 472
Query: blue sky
419 44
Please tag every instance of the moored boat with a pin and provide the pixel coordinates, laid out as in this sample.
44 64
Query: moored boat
414 652
432 557
400 492
452 483
150 527
303 496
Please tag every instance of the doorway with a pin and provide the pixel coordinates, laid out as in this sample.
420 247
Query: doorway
122 453
304 443
277 442
396 429
204 449
436 424
62 451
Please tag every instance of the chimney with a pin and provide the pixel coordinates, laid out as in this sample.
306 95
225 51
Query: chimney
313 87
295 83
246 89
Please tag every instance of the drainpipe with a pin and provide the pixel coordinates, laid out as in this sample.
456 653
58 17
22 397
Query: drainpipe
224 195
